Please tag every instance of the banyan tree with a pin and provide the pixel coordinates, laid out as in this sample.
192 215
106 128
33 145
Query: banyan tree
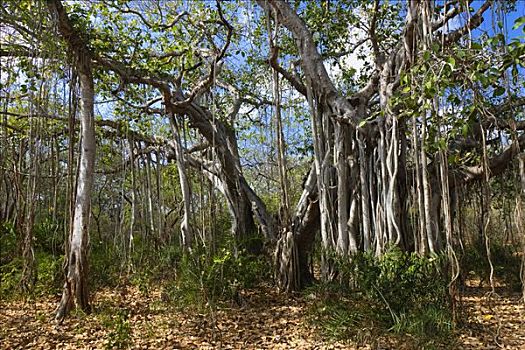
408 104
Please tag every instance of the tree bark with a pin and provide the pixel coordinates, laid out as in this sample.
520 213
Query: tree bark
186 232
75 289
520 219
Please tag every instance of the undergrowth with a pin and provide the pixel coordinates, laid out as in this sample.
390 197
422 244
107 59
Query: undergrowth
119 327
505 260
399 293
205 279
48 261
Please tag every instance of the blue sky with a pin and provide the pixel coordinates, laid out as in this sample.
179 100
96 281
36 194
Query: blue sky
508 19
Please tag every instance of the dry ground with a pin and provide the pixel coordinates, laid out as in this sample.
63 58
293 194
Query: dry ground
266 320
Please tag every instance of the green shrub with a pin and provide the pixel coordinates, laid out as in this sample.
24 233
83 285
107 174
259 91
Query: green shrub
399 292
201 278
50 275
10 274
8 243
141 280
403 281
49 237
105 265
119 336
48 271
505 260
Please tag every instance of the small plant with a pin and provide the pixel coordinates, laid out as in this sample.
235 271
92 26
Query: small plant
104 272
49 237
119 336
142 281
8 243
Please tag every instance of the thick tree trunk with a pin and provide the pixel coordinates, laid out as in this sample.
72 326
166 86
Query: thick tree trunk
243 203
292 259
76 285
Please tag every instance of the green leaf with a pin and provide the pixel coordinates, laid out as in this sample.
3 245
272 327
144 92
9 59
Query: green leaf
498 91
476 46
518 22
406 89
451 61
453 99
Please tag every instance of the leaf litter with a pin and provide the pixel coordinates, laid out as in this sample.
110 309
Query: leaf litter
126 318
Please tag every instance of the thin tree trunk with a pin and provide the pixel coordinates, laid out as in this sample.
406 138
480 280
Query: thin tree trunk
186 232
422 242
133 208
342 193
365 194
281 146
520 219
427 196
28 279
149 194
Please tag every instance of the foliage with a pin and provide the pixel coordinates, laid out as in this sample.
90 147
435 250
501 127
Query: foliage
49 236
402 280
48 264
202 278
118 323
399 292
8 242
504 258
50 273
10 274
104 264
136 50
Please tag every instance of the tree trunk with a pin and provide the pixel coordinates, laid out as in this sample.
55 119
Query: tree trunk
185 229
29 273
76 285
226 174
520 219
292 259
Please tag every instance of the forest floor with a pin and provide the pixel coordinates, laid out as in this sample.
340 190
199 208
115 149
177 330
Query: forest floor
128 318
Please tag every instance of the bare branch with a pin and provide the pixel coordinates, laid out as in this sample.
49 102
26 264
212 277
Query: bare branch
296 83
473 22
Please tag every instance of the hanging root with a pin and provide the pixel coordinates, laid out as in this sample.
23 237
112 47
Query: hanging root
520 226
287 263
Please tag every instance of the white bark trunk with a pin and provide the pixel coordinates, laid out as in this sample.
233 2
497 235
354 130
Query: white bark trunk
427 197
342 192
185 229
365 194
75 288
